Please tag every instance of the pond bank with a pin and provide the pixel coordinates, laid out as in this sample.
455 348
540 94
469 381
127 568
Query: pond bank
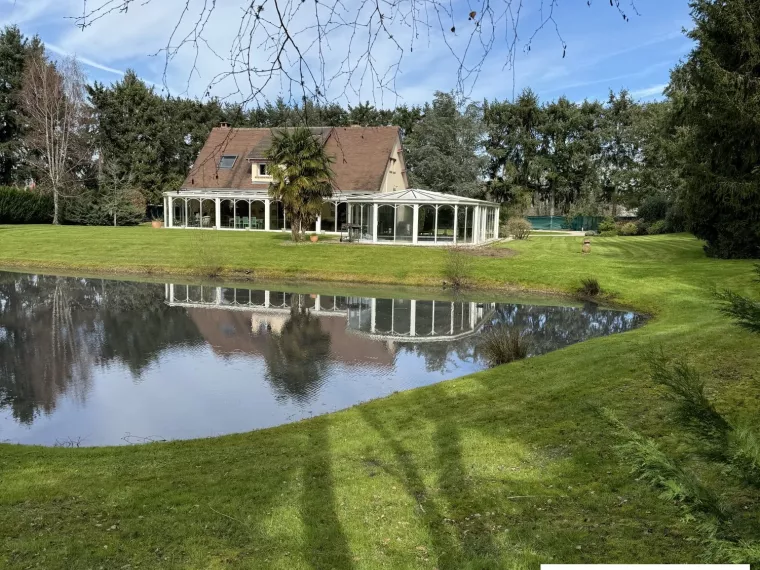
399 482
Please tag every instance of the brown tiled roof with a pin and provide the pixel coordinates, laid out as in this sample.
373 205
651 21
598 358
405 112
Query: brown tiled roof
360 154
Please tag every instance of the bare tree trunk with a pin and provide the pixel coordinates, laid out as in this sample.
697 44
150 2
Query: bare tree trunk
55 206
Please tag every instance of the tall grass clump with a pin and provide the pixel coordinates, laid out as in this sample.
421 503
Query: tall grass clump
457 269
589 288
502 345
207 251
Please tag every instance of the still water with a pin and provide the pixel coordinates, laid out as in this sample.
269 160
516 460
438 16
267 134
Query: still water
105 362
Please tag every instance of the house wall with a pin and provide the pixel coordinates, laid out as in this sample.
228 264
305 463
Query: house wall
395 171
256 177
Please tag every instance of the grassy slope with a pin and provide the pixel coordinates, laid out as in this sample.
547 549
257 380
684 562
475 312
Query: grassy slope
507 468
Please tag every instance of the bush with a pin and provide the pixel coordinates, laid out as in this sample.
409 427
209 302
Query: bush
518 228
653 208
502 345
607 225
458 267
609 233
19 206
658 227
589 287
628 229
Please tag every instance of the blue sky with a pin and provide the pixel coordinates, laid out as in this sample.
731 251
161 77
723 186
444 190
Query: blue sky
603 51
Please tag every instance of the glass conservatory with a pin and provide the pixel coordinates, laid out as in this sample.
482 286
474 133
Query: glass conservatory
418 217
422 217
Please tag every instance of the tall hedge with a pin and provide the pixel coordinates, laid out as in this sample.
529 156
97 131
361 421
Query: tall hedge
24 207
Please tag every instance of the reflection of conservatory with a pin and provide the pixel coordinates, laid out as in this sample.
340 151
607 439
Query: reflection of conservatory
379 319
405 216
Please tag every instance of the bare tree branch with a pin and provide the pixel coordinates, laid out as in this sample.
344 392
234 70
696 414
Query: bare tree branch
54 105
291 44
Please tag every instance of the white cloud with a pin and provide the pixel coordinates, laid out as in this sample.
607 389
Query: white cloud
647 92
86 61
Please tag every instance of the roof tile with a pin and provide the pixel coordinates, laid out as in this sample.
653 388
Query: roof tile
360 156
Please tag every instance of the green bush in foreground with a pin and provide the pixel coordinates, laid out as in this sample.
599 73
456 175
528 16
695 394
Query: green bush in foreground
19 206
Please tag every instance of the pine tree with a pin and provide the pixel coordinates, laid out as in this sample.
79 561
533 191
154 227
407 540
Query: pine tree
442 151
716 98
14 51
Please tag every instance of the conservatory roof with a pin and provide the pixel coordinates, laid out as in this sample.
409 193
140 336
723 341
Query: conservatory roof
417 196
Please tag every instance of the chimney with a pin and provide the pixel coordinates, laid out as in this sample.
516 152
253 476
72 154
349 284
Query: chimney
224 125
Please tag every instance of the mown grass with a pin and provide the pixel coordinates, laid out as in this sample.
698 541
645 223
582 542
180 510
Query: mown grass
507 468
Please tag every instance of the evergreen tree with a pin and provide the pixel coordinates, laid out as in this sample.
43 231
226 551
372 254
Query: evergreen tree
14 51
512 142
716 99
442 150
570 145
620 150
149 139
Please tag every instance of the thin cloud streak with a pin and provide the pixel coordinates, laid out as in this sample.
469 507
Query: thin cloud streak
649 91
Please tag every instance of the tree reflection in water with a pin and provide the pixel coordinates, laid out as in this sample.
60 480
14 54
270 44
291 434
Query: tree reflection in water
54 330
58 334
298 356
545 328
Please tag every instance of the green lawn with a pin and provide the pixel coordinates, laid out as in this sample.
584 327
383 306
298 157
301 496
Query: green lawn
507 468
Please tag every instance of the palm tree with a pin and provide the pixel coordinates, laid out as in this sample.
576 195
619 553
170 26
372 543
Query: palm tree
302 176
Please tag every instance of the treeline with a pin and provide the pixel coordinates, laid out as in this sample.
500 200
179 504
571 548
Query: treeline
679 165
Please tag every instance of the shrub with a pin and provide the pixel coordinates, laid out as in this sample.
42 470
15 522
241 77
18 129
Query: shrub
653 208
591 233
502 345
607 225
589 287
458 267
718 507
628 229
658 227
519 228
19 206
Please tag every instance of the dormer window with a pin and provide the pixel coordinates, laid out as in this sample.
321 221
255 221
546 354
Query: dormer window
263 169
228 161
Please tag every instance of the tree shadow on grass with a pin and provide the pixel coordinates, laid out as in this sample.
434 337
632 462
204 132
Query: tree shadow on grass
457 485
325 544
445 547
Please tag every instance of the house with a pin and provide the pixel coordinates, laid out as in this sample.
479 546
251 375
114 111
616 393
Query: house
228 189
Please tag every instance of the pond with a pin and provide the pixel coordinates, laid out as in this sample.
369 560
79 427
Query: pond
104 362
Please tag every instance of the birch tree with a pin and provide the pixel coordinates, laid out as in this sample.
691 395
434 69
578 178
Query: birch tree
54 104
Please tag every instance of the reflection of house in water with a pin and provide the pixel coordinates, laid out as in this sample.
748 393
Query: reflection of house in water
361 329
